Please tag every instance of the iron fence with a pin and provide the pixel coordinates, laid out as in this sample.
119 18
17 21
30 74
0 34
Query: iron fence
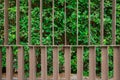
55 48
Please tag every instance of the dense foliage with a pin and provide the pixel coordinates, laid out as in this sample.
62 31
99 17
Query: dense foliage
59 29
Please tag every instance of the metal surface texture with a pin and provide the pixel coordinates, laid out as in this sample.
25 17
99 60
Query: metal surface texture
0 63
32 62
9 63
104 62
44 63
116 59
67 55
92 63
80 63
6 25
55 63
20 63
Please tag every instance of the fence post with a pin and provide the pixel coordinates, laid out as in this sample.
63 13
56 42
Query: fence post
55 63
67 62
0 63
79 63
20 63
32 61
116 63
92 63
9 63
104 62
44 63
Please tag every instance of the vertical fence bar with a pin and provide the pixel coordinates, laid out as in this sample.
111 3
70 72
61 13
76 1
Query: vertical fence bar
0 63
77 21
20 63
17 21
53 22
114 22
89 19
104 62
29 21
6 2
41 22
79 63
44 63
116 63
65 24
92 63
102 22
9 63
67 62
55 63
32 61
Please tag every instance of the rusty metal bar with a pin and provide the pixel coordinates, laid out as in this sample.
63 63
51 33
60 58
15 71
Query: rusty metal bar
6 3
0 63
92 63
29 21
65 24
114 22
53 22
20 63
79 63
17 22
104 62
62 45
102 22
40 22
77 22
9 63
89 19
67 62
43 63
55 63
116 59
32 61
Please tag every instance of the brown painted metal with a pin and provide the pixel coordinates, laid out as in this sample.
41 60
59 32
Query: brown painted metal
6 26
92 63
104 63
67 62
102 22
41 22
79 63
116 63
43 63
32 62
77 22
89 23
20 63
55 63
0 63
113 22
9 63
53 42
65 36
29 21
17 22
